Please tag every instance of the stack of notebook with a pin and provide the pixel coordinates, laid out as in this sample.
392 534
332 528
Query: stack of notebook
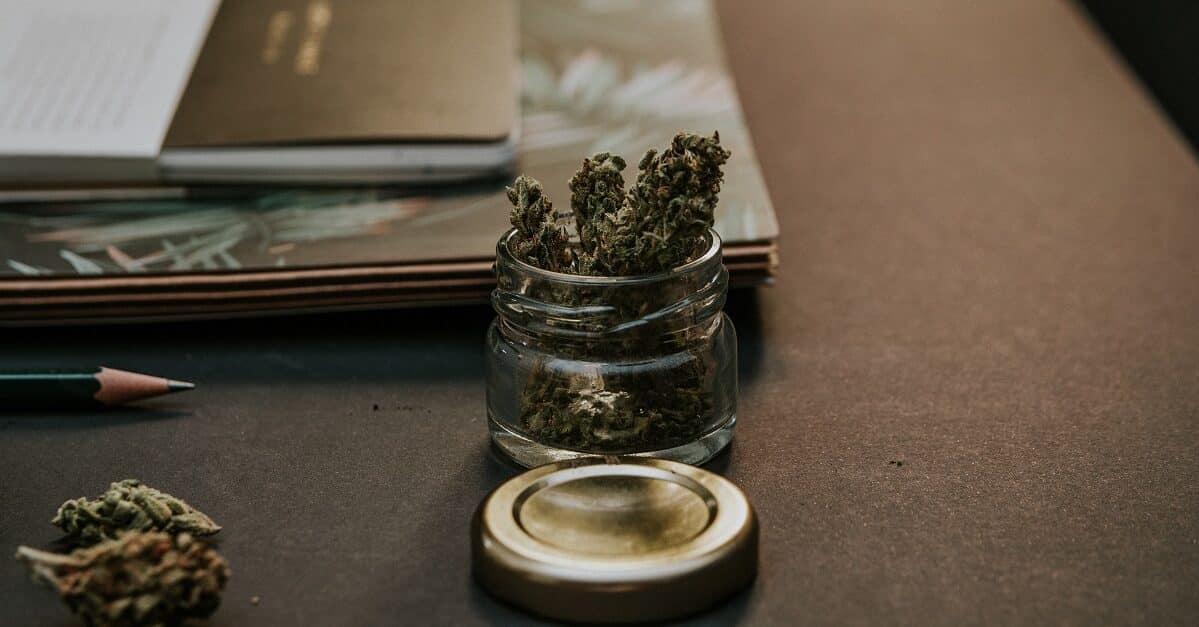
617 78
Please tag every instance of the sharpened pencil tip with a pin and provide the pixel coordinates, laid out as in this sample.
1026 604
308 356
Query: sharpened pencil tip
179 386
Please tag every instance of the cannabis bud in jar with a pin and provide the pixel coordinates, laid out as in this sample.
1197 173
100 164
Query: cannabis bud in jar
610 337
542 242
139 578
129 505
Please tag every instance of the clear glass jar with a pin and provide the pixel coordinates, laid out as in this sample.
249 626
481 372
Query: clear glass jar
584 365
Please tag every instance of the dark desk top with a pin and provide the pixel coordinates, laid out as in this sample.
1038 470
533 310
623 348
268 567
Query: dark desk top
990 273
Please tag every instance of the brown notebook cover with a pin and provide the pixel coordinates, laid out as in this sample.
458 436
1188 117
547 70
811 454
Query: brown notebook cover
324 71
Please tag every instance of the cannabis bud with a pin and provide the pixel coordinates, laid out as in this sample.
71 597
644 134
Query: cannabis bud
596 191
129 505
667 212
140 578
541 241
660 223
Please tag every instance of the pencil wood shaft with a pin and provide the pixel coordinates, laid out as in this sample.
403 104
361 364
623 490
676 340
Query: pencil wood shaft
93 388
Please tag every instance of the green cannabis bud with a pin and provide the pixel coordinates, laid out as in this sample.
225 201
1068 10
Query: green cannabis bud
668 211
660 223
129 505
540 241
596 192
140 578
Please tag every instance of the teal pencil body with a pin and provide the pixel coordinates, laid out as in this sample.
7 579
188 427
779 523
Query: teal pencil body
83 388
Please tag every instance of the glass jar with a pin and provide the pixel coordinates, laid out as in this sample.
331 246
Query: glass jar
586 365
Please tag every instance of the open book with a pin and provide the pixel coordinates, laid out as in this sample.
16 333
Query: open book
310 91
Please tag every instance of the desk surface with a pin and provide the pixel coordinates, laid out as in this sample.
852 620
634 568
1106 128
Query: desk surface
990 273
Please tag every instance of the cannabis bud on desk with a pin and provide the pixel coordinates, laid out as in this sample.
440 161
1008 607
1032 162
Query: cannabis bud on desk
129 505
610 337
137 561
140 578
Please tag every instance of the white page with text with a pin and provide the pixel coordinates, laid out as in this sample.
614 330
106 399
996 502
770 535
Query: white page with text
88 78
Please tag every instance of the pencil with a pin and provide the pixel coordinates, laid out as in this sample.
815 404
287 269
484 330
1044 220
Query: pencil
94 388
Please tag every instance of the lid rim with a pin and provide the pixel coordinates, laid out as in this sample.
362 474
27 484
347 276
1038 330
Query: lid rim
594 589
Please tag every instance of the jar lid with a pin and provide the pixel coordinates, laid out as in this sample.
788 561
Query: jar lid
615 539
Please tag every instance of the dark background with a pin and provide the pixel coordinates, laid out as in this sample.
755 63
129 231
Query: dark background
1160 41
989 271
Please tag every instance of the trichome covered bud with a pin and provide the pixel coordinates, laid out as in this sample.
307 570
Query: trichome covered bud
668 211
140 578
596 191
659 224
662 222
129 505
539 240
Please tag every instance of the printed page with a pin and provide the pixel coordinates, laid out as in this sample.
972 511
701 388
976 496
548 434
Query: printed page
85 78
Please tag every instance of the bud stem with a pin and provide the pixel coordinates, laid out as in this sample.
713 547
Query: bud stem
43 563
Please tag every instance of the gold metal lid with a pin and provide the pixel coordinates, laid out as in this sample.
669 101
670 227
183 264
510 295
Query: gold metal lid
607 539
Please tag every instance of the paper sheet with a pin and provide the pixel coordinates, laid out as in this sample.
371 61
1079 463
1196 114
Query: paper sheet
87 78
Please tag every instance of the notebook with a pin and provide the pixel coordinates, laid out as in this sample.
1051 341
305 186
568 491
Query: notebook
270 91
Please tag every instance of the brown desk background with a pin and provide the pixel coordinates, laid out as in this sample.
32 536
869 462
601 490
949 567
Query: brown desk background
990 273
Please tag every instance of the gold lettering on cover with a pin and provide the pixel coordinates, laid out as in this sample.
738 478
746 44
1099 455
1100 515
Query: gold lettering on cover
276 35
308 57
